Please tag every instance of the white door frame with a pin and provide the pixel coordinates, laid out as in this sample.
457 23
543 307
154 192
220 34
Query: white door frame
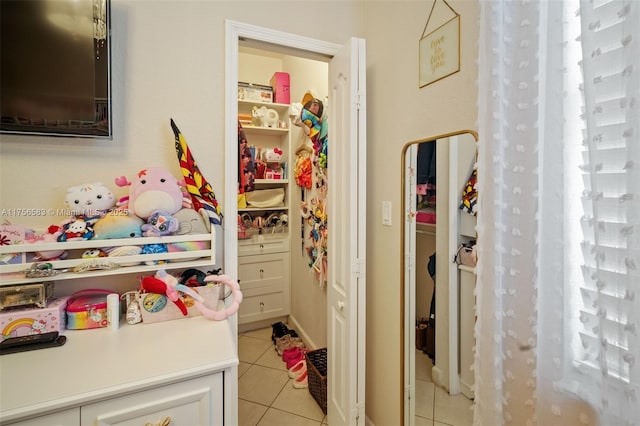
236 31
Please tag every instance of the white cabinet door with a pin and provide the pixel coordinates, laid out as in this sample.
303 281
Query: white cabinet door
347 231
192 402
62 418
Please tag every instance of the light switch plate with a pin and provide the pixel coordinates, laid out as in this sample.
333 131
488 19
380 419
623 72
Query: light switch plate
386 213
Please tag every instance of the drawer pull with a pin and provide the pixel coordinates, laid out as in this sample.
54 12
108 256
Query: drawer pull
261 306
165 422
261 247
261 273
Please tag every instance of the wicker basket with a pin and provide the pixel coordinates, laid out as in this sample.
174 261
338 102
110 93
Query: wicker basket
317 376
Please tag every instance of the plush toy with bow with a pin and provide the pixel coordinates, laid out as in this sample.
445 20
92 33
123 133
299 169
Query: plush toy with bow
78 229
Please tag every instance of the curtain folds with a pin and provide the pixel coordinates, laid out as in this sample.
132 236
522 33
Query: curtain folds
558 294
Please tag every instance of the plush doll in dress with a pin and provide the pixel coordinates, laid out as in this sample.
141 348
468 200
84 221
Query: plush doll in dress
153 189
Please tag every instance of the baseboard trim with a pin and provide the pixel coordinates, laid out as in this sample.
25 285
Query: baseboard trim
256 325
436 376
301 333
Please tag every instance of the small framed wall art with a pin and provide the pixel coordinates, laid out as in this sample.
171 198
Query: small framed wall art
439 50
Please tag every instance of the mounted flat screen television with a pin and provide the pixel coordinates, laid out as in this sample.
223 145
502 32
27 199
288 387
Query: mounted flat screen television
55 67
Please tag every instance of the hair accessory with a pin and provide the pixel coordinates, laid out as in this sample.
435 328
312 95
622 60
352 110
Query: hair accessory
96 264
39 270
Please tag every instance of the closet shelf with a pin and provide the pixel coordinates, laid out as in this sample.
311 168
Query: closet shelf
271 181
261 209
257 130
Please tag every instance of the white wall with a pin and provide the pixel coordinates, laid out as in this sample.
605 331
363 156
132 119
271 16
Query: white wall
398 112
168 62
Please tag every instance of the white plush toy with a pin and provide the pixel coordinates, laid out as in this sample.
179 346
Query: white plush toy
266 117
91 200
272 155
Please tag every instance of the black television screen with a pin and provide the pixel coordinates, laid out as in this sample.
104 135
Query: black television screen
55 74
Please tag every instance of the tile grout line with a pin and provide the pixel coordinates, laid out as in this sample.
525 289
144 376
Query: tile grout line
288 382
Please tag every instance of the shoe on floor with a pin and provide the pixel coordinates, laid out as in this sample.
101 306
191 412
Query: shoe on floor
300 382
292 356
278 330
283 343
298 369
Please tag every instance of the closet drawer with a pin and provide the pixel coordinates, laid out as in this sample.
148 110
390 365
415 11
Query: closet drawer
263 273
263 245
262 307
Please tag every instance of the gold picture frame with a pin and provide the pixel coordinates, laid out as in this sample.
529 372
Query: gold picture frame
439 52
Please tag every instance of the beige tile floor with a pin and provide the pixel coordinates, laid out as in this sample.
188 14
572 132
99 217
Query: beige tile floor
434 406
267 398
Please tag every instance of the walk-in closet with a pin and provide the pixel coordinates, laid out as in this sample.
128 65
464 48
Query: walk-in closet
282 206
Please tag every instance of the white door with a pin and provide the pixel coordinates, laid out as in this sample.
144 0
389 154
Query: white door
347 204
346 244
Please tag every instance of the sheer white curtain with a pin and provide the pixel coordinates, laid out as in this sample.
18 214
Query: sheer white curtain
558 290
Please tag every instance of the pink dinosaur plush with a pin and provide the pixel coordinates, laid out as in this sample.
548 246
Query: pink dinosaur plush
153 189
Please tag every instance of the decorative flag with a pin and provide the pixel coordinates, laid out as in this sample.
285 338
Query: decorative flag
199 189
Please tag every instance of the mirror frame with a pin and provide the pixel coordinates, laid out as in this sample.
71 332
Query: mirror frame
403 224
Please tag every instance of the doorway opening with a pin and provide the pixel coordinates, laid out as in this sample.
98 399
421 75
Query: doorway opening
345 328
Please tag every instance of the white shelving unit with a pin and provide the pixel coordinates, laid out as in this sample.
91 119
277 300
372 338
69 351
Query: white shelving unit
263 258
14 274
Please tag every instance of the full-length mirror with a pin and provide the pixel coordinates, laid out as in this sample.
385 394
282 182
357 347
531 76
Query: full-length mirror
438 310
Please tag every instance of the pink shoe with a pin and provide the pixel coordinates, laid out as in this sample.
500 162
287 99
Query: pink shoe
298 369
291 353
300 382
294 358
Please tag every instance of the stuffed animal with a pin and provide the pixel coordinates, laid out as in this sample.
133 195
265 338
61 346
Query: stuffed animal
153 189
93 254
160 223
77 229
51 236
272 155
190 222
154 249
90 200
118 224
266 117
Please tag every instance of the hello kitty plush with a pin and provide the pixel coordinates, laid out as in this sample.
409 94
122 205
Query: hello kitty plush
78 229
90 201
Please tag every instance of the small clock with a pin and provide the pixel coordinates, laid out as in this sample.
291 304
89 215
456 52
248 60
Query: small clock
19 296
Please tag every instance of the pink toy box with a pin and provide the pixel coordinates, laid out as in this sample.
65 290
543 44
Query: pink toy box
23 322
281 91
